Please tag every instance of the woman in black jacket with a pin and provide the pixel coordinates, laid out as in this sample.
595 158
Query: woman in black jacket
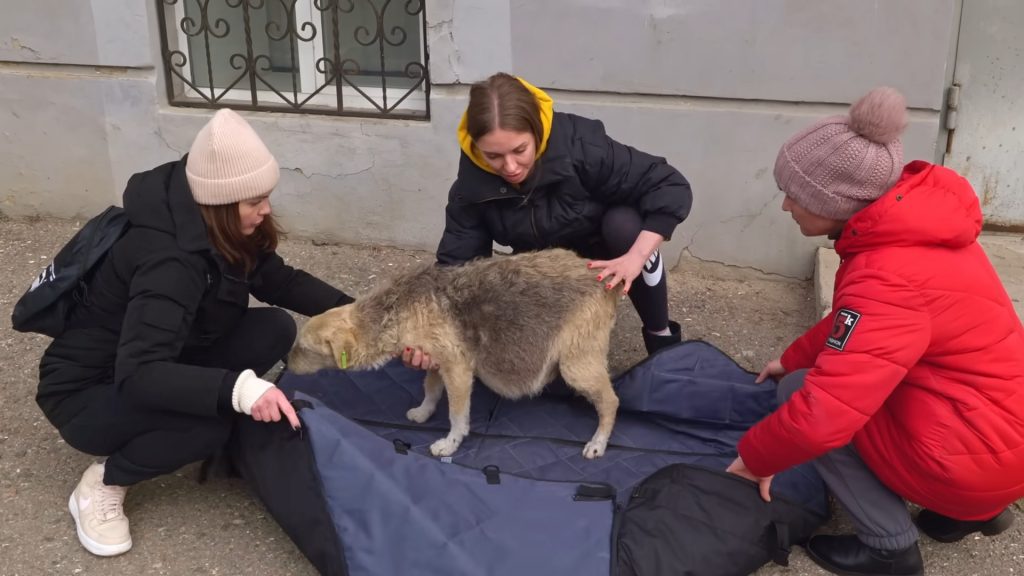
531 178
152 371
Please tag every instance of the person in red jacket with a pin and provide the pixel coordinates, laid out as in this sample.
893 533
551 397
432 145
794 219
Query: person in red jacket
912 388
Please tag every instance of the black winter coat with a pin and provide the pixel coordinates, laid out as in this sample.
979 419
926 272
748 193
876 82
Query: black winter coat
581 174
161 288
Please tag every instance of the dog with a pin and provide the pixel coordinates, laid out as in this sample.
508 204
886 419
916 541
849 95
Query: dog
515 322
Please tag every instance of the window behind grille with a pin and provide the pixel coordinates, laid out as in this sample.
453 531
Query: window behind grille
348 57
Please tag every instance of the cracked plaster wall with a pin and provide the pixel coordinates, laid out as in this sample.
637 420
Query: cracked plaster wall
80 32
71 136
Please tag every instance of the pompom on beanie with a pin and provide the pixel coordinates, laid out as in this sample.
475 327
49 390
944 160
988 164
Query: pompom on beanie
229 163
841 164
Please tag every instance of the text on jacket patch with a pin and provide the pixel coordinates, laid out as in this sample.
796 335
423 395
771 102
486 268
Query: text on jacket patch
842 328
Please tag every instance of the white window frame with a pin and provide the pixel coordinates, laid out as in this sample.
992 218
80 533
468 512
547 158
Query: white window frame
310 79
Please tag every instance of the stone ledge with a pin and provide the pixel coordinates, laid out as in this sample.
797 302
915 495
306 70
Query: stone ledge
826 262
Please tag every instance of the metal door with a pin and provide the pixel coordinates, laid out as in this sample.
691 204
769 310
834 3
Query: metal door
986 109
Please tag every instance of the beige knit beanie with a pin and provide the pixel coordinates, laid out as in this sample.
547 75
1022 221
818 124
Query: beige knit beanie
841 164
229 163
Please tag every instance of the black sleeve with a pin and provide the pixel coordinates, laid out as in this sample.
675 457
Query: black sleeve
227 388
278 284
465 235
620 174
164 293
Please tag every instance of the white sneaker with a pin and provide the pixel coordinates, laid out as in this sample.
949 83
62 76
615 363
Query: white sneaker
99 514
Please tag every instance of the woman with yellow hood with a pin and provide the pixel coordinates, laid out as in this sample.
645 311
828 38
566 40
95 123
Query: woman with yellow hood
531 178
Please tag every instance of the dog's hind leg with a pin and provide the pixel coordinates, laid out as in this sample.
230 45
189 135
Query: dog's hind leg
433 387
586 373
458 381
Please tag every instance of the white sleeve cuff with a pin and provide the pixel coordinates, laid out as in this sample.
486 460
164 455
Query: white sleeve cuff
248 389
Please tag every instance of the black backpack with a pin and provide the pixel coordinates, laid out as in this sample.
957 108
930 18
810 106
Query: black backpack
45 307
685 520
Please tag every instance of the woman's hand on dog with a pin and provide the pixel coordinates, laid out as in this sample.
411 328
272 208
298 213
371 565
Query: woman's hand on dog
271 405
418 359
622 270
763 484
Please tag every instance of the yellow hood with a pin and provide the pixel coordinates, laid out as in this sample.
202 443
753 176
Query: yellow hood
546 106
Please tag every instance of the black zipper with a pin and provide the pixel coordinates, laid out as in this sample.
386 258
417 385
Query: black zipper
533 224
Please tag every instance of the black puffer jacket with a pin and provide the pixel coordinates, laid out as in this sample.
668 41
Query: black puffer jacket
162 288
581 174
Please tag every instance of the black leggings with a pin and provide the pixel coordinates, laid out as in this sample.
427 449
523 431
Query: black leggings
142 443
620 227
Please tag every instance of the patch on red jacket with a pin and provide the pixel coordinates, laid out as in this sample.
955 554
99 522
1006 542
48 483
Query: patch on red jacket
842 328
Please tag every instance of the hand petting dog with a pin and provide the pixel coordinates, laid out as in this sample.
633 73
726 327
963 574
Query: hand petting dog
417 359
624 269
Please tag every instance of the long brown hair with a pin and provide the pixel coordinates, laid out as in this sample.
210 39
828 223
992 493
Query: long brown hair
224 228
503 102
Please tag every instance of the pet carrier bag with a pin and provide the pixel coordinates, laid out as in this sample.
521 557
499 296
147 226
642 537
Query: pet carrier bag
359 493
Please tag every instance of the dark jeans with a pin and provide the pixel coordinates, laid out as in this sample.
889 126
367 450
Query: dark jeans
619 230
142 443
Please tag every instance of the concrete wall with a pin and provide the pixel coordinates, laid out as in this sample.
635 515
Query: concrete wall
93 32
713 86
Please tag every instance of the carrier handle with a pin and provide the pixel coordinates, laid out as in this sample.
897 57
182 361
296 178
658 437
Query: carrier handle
493 474
590 492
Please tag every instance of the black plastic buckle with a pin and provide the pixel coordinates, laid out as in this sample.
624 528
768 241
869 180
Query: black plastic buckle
401 446
590 492
493 474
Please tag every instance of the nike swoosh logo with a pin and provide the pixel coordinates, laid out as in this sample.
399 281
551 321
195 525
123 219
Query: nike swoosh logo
653 276
84 503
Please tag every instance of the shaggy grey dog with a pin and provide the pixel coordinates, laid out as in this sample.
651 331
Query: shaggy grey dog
515 322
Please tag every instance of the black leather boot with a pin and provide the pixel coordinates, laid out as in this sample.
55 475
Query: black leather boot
945 529
848 556
655 342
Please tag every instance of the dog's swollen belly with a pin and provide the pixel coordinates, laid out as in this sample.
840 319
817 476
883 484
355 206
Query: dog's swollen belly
577 352
523 384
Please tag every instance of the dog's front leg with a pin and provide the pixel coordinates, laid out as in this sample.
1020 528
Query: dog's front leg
433 387
458 380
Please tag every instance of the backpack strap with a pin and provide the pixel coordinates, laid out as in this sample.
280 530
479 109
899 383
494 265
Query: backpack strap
779 543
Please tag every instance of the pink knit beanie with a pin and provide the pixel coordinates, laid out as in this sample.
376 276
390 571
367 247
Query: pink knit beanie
841 164
229 163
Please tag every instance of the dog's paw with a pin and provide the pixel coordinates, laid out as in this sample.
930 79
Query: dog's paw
445 446
595 448
419 414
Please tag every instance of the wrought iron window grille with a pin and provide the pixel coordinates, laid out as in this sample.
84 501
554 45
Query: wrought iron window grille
339 57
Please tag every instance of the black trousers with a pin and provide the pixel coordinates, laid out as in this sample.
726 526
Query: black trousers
620 227
143 443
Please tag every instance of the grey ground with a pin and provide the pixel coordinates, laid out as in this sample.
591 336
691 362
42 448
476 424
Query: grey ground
181 527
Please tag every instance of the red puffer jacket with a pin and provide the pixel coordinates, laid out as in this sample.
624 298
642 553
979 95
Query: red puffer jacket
921 362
